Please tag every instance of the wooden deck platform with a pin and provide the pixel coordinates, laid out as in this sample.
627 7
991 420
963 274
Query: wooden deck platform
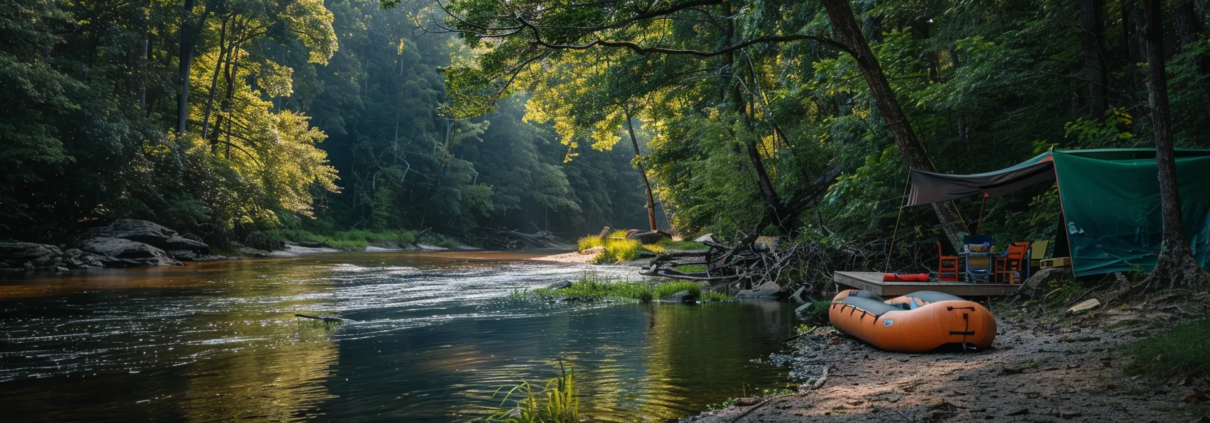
872 281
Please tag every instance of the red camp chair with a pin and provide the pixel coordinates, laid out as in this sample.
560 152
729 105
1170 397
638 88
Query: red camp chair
947 266
1011 265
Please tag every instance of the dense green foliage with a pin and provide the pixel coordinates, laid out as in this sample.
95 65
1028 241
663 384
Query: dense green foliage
325 116
733 90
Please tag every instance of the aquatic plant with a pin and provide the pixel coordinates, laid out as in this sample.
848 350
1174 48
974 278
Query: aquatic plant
555 403
1183 351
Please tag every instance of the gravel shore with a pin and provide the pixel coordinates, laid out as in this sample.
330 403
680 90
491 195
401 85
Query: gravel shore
1064 371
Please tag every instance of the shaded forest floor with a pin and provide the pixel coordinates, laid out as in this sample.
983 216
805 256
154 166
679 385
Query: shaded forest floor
1043 367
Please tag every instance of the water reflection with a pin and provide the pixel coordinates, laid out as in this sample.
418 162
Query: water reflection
430 340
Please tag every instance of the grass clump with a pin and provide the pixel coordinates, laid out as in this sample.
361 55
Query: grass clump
617 251
1184 351
590 290
555 403
589 242
817 313
666 290
690 268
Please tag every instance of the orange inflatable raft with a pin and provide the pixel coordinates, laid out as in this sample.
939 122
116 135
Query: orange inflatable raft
915 322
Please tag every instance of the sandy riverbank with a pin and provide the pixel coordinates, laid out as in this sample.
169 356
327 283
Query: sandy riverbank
1066 371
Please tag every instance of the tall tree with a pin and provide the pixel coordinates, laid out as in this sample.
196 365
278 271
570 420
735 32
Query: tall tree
1175 265
1092 39
848 32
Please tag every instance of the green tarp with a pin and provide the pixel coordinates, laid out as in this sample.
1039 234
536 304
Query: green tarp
1111 203
1110 197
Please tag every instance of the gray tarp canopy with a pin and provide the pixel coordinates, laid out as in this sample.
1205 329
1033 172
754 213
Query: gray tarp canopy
929 187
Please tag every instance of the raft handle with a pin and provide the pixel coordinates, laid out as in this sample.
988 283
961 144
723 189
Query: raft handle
954 332
952 308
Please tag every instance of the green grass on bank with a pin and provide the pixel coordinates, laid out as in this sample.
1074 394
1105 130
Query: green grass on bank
344 240
590 290
1183 351
619 249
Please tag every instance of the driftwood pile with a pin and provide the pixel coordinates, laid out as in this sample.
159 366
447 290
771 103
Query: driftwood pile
752 263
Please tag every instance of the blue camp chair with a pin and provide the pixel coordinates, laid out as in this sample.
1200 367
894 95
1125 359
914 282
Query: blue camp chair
977 252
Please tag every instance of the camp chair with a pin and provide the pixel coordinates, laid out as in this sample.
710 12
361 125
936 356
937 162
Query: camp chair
1011 264
1037 252
947 266
977 249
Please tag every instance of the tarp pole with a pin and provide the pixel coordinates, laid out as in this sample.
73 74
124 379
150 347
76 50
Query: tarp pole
895 233
979 223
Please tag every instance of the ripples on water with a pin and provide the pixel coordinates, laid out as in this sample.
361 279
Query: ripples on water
431 338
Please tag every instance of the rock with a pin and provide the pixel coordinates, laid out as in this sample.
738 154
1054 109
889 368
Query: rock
647 238
149 233
75 258
768 291
1041 281
683 297
1086 305
593 251
28 255
559 285
802 310
128 252
705 238
797 295
1020 412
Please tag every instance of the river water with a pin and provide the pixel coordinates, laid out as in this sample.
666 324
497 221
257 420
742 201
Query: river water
431 338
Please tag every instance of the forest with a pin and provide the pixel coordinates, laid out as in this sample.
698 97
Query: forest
791 119
224 117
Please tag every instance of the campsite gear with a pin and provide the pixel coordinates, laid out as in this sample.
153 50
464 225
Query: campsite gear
1037 252
947 266
1055 262
977 250
1011 264
905 277
915 322
1109 197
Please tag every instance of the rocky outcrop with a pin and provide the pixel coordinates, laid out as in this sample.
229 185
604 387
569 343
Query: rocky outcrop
28 255
32 256
127 252
149 233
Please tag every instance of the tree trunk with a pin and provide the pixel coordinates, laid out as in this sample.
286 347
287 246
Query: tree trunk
222 55
1092 37
774 209
191 32
1175 265
638 156
230 71
849 33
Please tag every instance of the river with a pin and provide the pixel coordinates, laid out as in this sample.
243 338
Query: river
430 338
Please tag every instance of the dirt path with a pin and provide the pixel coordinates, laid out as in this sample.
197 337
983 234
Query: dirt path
1067 372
